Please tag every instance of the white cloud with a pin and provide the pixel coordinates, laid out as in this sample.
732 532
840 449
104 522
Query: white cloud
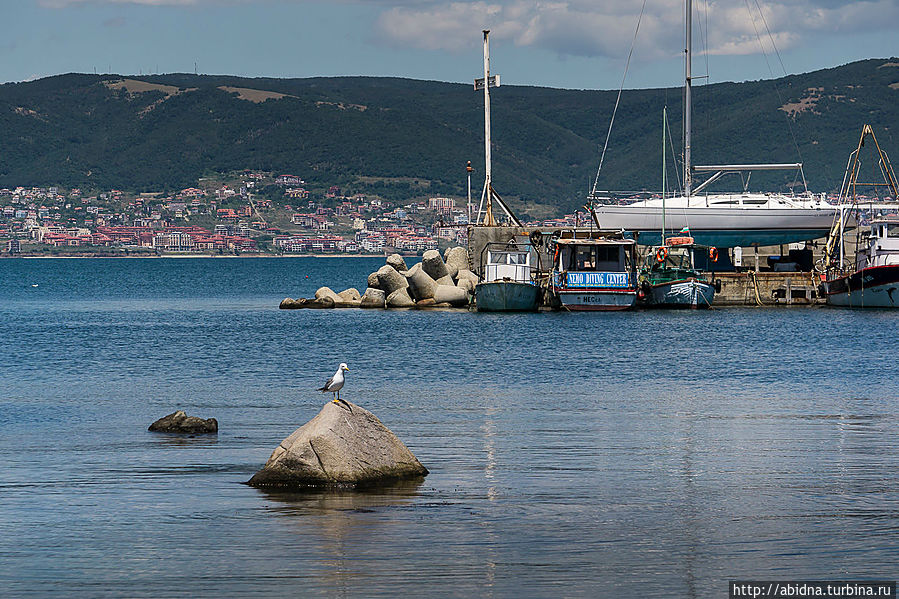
590 28
600 28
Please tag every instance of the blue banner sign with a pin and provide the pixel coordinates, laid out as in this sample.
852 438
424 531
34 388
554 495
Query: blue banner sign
585 280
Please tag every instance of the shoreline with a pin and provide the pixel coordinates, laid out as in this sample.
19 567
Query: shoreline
205 256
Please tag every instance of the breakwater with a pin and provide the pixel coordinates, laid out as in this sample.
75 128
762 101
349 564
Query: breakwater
435 282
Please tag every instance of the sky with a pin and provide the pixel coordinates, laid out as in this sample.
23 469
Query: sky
577 44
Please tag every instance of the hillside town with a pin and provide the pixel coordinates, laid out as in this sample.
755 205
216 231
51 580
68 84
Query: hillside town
250 213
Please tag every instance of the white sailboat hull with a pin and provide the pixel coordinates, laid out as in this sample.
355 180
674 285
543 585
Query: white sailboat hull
721 226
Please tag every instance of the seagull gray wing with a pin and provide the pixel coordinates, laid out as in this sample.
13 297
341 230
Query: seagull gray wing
328 384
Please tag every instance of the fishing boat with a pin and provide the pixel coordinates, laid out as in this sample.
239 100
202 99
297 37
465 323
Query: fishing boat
871 280
875 281
507 284
669 277
722 219
595 274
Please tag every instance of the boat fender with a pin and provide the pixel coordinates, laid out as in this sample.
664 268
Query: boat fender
661 254
717 285
536 238
713 254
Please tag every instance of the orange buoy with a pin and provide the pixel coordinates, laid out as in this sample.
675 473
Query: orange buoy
661 254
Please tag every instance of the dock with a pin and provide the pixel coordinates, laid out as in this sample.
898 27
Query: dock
754 283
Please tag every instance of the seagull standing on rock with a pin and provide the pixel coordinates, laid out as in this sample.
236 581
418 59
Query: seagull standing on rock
335 383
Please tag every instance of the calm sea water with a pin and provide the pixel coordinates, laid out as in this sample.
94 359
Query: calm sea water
571 455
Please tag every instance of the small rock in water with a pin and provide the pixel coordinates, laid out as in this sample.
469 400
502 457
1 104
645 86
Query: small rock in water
344 445
179 422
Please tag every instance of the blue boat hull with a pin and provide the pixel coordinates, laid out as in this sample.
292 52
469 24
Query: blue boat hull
506 296
681 294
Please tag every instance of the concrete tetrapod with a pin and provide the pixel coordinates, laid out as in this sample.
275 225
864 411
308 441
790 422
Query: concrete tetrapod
390 280
433 264
399 299
345 445
456 260
421 285
455 296
373 298
397 262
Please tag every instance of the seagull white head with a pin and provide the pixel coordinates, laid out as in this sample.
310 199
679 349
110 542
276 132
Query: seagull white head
343 366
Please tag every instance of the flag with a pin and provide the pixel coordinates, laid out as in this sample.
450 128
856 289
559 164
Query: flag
685 230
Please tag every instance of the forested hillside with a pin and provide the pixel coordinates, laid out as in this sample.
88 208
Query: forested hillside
400 138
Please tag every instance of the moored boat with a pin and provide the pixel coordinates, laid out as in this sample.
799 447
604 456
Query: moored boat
872 279
875 281
507 284
669 278
595 274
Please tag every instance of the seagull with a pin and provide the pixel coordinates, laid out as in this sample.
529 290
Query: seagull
335 383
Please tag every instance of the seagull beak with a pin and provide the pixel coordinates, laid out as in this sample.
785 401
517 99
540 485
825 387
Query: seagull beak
347 368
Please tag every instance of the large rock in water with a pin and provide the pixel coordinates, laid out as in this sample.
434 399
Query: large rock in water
179 422
344 445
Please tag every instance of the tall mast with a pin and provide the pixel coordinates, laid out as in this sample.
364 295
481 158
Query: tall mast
688 100
488 183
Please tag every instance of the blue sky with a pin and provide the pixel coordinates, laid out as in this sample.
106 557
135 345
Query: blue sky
554 43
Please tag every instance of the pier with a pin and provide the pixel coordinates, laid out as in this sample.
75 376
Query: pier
755 282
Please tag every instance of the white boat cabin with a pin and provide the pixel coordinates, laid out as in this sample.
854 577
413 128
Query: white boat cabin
880 246
508 264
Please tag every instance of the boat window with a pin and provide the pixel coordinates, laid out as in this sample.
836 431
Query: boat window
584 258
497 258
893 230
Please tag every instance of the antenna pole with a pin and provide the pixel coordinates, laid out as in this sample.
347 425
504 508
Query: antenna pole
469 169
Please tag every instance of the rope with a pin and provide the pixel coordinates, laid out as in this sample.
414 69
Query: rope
770 70
617 101
755 287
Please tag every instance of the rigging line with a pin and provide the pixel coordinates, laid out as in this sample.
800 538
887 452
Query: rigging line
770 70
677 170
618 100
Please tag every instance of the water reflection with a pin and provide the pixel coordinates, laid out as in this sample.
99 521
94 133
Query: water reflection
340 527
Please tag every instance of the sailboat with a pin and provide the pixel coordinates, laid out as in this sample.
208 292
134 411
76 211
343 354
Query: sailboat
722 219
670 275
